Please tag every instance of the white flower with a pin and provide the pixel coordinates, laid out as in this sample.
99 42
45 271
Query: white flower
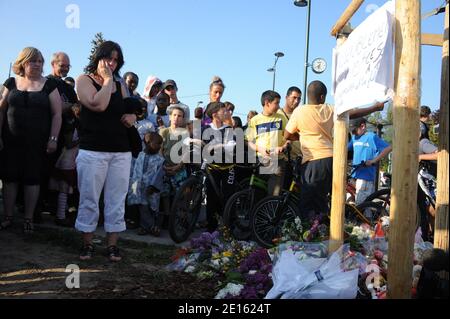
361 233
385 221
232 289
189 269
252 272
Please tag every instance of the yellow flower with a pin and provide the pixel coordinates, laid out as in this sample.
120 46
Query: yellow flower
227 253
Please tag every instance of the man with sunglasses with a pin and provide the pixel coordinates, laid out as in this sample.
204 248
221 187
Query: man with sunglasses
60 68
170 88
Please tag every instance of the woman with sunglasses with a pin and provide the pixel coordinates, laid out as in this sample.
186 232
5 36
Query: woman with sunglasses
104 158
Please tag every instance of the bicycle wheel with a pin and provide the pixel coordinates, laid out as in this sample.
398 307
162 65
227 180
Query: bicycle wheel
383 198
263 224
367 212
237 212
185 209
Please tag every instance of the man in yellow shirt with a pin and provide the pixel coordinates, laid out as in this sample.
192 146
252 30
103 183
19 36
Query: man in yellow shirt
314 124
265 136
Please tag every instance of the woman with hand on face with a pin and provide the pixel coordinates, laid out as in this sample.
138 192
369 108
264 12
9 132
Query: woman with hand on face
30 120
104 158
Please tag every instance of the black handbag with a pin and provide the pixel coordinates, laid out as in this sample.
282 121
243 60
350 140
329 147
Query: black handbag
135 141
133 106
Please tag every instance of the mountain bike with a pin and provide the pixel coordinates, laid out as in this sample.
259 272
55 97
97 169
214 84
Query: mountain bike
236 214
187 202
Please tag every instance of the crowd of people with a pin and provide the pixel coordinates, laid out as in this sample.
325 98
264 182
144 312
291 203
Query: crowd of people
65 140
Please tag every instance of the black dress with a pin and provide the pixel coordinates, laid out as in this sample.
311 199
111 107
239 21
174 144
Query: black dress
26 131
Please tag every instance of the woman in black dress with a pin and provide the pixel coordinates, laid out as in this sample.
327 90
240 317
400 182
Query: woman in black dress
30 120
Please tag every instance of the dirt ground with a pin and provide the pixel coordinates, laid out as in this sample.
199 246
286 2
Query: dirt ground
33 266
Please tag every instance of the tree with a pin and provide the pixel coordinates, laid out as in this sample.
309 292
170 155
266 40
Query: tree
434 137
98 39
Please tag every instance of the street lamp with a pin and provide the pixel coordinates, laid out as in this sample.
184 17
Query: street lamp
305 3
274 68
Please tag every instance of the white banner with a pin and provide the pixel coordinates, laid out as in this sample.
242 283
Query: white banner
363 65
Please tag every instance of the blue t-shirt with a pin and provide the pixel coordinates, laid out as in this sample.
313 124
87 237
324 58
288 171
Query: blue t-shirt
366 147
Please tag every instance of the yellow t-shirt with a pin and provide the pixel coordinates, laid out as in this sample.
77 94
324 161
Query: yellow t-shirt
267 131
296 150
314 123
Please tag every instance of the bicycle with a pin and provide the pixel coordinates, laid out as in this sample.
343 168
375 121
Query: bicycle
237 211
236 214
427 185
273 212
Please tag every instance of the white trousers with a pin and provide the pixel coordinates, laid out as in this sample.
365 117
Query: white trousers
363 190
98 170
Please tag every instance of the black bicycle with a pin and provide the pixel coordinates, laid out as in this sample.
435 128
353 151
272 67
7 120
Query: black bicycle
273 212
187 202
236 214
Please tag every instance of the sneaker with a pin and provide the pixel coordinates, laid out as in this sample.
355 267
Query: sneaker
114 254
87 251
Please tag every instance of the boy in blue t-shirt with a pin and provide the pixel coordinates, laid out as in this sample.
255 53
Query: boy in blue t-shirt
369 148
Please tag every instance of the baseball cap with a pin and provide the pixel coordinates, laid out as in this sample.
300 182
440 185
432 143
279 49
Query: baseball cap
170 83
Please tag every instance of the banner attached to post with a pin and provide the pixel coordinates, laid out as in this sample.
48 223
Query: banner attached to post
363 65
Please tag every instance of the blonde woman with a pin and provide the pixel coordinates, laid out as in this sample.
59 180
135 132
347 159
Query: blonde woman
30 120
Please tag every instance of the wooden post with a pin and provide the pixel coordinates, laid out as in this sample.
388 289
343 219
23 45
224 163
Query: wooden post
346 16
340 141
432 39
441 223
405 148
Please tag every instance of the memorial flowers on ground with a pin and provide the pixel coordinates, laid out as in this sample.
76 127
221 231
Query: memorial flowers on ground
242 270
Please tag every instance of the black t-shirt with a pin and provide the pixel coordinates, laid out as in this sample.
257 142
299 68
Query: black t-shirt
66 91
104 131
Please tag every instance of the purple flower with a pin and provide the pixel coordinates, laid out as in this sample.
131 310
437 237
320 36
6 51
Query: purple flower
255 261
249 292
205 240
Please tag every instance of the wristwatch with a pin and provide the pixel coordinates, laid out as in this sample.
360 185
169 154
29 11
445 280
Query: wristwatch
53 139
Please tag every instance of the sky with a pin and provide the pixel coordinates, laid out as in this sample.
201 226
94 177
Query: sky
191 41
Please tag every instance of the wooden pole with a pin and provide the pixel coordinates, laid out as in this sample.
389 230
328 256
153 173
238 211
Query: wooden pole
441 223
346 16
432 39
340 142
405 148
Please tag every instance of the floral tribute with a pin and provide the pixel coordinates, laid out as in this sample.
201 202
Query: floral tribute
243 270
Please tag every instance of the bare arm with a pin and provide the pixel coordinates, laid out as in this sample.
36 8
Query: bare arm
380 156
291 136
55 108
94 100
378 106
429 157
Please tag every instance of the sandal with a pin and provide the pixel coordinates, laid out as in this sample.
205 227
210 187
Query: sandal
6 223
87 251
155 231
114 254
142 231
28 227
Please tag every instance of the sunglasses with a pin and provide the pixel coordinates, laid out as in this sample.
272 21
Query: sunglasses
170 88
